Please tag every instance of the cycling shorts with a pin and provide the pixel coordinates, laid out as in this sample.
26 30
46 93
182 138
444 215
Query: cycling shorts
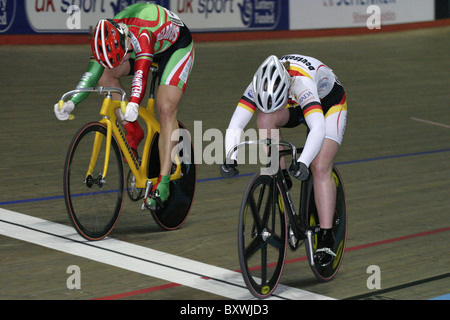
334 107
175 64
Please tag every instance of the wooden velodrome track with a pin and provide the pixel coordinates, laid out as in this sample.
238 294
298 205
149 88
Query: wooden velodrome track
394 161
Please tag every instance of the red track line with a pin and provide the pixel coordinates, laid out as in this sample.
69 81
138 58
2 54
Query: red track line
373 244
140 291
363 246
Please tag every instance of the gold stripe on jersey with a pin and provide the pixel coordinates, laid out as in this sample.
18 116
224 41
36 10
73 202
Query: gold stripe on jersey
247 105
296 71
312 108
336 109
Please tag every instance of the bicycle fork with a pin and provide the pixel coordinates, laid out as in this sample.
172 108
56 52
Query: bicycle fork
100 180
294 230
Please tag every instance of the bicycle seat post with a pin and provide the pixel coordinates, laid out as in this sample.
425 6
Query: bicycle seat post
151 95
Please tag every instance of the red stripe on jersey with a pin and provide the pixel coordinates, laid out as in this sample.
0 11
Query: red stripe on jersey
313 108
142 23
176 77
295 73
344 99
248 104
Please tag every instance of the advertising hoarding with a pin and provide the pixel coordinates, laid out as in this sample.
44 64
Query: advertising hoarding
330 14
78 16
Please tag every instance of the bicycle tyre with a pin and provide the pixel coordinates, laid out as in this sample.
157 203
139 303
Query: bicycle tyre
93 205
262 235
177 207
327 273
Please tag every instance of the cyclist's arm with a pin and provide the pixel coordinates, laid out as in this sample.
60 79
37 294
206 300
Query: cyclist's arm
305 92
143 61
241 117
89 79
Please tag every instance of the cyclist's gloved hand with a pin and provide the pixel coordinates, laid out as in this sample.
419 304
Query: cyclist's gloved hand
63 113
299 170
228 170
131 112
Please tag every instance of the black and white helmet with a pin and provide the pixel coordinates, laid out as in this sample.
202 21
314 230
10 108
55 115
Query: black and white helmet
271 85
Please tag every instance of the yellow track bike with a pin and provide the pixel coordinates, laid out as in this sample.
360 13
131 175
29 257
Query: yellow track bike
94 176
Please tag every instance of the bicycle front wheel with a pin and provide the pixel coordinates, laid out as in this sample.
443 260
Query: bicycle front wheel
328 272
262 235
93 202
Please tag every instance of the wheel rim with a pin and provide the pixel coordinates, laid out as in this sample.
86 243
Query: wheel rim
262 237
93 204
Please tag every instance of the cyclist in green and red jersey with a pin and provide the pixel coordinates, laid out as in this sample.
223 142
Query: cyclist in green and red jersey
127 45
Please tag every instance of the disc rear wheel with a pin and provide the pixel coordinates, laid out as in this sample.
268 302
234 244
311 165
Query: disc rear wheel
177 207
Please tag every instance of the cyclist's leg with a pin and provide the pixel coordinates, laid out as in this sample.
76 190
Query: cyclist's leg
270 123
285 118
175 72
168 98
324 184
322 165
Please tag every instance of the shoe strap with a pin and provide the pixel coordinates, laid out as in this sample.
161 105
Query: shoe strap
326 250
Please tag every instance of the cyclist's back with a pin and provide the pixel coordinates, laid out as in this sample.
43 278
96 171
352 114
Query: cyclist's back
161 27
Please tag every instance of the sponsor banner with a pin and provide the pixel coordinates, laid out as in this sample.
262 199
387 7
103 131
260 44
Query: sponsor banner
232 15
8 15
329 14
59 16
78 16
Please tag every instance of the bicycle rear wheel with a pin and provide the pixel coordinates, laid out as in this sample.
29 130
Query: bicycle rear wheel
262 235
339 230
93 202
177 207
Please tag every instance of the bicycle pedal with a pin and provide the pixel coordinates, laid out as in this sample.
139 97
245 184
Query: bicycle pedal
158 205
293 241
148 188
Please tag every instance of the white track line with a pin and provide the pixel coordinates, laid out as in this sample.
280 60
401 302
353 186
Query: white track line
137 258
431 122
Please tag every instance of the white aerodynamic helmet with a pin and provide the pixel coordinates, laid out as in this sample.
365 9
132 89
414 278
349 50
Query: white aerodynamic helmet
271 85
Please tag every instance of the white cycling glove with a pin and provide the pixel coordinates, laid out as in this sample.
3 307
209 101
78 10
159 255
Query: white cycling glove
63 113
131 112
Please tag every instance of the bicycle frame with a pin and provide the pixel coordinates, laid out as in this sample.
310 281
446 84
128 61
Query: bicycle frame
114 127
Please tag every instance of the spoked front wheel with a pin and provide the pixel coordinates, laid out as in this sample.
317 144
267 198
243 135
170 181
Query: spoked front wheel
93 202
326 273
262 235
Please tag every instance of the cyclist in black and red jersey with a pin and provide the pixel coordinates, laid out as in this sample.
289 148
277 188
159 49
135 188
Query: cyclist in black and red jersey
127 45
289 91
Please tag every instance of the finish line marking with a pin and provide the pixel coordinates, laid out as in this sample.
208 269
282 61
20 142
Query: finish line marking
135 258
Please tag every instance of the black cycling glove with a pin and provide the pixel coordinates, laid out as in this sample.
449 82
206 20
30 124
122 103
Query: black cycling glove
228 170
299 170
